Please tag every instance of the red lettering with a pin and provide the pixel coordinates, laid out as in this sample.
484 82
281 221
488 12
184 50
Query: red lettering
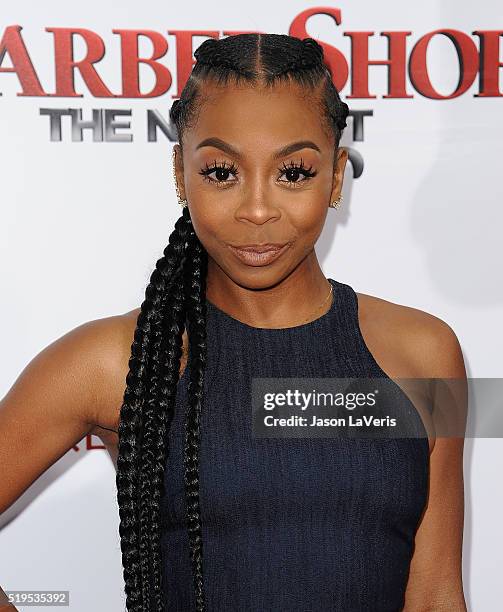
490 63
13 44
66 65
468 64
131 62
360 63
90 445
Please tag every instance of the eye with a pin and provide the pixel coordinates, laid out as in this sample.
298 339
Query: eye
293 171
221 170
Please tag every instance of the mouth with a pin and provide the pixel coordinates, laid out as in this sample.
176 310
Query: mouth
258 254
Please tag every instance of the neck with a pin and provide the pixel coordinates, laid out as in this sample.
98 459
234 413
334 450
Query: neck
267 301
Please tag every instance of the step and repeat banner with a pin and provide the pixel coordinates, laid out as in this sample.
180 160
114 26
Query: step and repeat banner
88 203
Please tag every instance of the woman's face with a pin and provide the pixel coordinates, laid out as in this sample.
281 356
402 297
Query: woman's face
244 188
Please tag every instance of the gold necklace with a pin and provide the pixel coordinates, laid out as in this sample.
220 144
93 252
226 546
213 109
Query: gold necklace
323 303
304 320
320 306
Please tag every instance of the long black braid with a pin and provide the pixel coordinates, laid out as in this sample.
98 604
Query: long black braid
175 301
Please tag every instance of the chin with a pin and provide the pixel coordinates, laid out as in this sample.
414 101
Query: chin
259 277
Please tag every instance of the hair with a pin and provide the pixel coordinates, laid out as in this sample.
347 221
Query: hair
175 301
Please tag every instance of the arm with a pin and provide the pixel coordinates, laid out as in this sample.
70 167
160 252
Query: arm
55 402
435 579
5 605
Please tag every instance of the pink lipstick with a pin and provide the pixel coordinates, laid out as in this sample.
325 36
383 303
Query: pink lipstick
258 254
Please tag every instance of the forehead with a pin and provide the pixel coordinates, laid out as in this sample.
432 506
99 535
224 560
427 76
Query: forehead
255 116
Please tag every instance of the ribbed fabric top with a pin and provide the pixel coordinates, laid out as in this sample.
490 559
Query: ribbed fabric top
297 524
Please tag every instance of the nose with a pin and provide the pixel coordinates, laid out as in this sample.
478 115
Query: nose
257 205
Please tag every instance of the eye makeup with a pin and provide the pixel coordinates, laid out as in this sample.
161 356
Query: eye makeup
223 170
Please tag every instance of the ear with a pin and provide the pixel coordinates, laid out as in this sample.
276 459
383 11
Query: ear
179 169
341 157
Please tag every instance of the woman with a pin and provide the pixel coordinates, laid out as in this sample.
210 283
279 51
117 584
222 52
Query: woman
211 516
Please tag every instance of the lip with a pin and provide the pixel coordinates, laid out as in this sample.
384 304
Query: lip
258 254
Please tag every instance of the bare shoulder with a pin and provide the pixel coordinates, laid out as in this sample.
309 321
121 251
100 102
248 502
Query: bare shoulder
412 342
114 337
409 343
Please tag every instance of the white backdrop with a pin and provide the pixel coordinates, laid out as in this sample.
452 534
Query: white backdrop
82 224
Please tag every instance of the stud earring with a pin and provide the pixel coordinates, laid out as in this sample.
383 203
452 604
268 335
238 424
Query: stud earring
336 203
183 203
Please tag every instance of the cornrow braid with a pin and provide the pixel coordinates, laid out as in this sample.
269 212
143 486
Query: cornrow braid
171 350
313 52
174 301
266 59
150 441
311 56
210 53
196 292
136 434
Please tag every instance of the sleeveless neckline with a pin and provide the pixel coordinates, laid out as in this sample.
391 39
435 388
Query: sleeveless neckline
276 506
310 324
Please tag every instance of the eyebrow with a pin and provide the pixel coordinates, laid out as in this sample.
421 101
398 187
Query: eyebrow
283 152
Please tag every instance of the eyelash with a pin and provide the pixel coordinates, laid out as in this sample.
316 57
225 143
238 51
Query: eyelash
233 169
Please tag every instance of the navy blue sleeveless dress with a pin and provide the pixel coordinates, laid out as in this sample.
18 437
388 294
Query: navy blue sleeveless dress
291 524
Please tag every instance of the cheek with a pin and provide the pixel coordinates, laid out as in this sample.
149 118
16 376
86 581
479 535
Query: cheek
307 218
209 224
208 210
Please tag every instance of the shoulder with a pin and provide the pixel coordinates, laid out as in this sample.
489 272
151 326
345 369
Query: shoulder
112 338
426 345
92 361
